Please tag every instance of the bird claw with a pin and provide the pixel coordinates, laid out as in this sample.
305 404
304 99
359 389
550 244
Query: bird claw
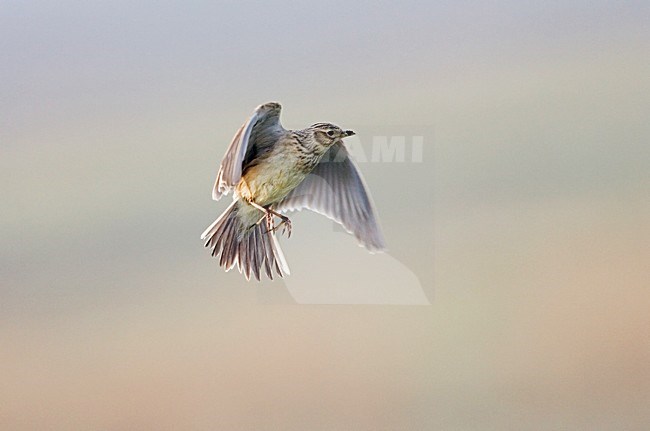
272 227
285 223
286 226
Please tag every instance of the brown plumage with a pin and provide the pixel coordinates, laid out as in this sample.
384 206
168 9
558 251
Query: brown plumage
271 170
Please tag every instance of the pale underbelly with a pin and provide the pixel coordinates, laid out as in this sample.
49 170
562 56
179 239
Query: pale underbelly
269 183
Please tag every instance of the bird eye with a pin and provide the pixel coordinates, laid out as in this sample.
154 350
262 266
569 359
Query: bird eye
330 133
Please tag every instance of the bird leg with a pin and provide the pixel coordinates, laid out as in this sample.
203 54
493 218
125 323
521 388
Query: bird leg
268 215
286 223
264 217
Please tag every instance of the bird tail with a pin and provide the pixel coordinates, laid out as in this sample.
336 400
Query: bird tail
251 247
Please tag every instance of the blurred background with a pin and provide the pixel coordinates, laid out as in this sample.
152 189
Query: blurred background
524 230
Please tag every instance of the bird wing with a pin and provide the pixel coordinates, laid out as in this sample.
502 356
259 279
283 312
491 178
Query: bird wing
253 138
336 190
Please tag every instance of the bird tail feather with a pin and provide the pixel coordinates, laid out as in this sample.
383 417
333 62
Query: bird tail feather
251 248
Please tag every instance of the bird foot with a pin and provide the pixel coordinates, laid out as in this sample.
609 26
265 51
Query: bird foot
286 226
285 223
270 223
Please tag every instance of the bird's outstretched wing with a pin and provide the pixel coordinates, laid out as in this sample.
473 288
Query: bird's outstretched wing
253 138
336 190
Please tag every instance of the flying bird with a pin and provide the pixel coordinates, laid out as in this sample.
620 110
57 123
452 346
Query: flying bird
270 171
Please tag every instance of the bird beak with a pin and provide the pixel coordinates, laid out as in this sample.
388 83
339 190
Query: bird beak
348 133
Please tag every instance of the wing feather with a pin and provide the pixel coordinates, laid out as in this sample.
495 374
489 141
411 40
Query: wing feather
253 138
335 189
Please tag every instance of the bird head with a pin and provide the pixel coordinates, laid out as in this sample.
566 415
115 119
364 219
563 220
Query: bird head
328 134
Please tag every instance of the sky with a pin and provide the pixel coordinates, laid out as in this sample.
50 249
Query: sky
515 287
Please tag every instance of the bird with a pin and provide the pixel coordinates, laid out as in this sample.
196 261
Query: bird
271 171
